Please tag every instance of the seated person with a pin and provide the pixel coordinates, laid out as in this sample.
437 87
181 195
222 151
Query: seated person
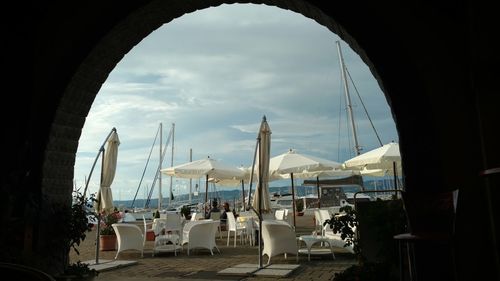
214 209
223 216
128 217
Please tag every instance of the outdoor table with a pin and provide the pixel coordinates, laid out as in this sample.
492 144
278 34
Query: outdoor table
310 240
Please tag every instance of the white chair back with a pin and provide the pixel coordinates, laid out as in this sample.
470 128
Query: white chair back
280 214
279 238
215 215
234 226
173 223
200 234
129 237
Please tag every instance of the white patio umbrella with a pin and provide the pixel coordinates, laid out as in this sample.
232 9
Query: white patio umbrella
235 182
208 168
105 195
378 162
301 165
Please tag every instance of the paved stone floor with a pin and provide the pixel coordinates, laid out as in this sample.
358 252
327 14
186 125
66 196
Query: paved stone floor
201 265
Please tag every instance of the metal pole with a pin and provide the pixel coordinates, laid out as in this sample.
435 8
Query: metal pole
243 191
206 196
159 165
190 180
253 167
319 194
171 165
95 161
293 200
260 201
99 199
395 177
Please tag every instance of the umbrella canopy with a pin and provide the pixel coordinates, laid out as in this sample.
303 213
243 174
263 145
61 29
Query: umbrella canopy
261 198
377 162
296 163
379 158
235 182
205 167
208 168
299 165
105 196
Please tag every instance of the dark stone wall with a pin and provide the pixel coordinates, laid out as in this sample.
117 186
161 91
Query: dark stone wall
436 62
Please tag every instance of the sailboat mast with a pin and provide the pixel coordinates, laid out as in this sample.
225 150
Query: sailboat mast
159 176
348 100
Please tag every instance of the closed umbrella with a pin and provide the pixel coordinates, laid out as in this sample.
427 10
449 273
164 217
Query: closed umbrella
108 170
261 198
301 165
104 195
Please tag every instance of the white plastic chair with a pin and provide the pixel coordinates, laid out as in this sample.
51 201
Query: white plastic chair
200 234
235 227
129 237
166 240
148 227
173 223
324 215
216 217
278 238
197 216
280 214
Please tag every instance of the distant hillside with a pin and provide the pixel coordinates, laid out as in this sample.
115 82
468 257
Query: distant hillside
234 195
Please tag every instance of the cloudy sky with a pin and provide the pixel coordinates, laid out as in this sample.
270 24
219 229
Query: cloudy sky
214 74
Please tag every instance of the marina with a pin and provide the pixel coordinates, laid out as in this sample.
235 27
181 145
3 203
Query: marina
202 266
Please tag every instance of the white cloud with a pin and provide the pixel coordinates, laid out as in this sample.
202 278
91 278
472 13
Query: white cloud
215 73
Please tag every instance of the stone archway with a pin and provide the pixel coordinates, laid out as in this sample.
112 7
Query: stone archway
435 84
94 69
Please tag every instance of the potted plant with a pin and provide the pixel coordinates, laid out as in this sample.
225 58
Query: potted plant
344 223
76 232
107 235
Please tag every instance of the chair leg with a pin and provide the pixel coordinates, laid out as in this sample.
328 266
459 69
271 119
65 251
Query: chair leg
228 235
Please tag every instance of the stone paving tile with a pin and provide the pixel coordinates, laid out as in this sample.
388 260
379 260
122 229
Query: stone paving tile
200 265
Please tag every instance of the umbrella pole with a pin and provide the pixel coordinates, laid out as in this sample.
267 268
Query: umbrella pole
206 197
293 200
395 177
253 166
243 192
260 203
317 187
99 213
